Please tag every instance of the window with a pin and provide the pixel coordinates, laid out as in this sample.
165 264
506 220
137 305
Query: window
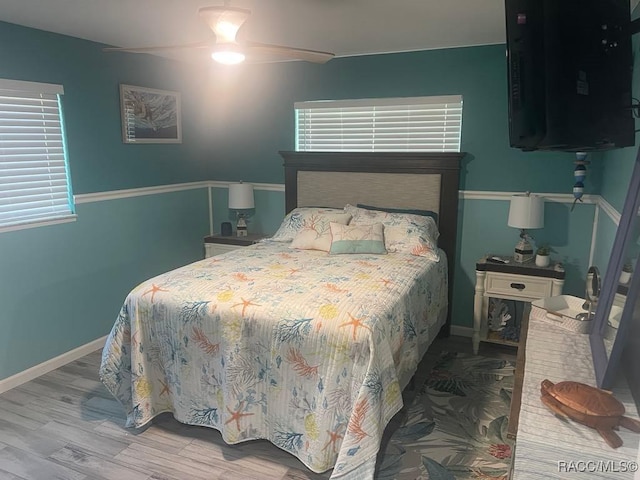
34 177
425 124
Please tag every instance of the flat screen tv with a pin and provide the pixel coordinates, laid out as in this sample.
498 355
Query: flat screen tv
570 69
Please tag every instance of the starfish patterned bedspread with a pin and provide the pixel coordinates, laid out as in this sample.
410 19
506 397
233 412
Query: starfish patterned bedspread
305 349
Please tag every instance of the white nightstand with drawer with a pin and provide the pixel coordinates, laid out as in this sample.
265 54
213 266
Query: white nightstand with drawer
218 244
510 281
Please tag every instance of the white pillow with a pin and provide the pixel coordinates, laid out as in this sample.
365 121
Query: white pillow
403 232
315 233
294 221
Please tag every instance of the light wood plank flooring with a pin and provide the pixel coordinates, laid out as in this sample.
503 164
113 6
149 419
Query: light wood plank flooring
65 426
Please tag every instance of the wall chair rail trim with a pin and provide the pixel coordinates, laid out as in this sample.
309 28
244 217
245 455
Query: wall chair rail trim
597 200
269 187
177 187
136 192
506 196
277 187
607 208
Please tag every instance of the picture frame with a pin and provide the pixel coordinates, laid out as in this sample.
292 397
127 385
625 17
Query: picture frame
150 115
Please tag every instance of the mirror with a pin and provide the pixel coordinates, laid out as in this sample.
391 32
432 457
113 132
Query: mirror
614 314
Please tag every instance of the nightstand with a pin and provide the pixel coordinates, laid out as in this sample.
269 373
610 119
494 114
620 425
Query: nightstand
217 244
497 285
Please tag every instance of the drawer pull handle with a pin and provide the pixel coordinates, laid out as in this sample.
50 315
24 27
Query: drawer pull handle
518 286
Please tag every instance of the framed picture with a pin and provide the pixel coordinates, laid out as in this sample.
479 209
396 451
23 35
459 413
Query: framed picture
150 115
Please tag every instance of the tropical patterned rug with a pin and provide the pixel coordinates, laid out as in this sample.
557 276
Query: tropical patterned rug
455 426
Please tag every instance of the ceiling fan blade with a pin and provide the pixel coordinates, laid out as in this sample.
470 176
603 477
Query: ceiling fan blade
224 21
158 48
314 56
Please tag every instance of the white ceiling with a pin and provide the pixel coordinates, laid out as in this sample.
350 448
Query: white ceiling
343 27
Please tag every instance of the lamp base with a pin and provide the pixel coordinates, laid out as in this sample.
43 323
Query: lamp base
523 252
241 227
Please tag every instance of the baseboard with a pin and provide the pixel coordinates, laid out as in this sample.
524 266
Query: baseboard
45 367
461 331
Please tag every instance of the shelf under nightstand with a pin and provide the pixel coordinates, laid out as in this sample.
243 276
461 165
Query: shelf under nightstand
522 282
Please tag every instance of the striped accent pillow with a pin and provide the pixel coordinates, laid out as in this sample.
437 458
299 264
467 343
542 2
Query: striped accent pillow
403 233
315 233
357 238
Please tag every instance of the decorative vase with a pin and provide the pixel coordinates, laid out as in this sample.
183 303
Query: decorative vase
542 260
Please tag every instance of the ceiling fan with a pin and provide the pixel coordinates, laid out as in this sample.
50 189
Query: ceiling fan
225 21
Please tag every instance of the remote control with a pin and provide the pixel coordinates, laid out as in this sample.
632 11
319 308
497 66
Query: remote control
497 260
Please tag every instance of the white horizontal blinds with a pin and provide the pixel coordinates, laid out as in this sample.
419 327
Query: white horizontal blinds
431 124
34 181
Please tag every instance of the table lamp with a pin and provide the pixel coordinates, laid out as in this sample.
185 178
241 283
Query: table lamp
241 198
525 212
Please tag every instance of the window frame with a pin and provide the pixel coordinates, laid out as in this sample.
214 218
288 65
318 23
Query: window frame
400 124
16 88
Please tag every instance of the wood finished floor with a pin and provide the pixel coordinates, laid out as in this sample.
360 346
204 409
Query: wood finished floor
65 426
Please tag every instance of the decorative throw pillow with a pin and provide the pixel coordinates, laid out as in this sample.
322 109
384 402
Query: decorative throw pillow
315 233
403 233
294 221
412 211
357 238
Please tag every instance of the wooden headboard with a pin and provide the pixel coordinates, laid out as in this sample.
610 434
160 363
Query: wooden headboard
426 181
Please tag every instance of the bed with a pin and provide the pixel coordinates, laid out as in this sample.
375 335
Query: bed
306 349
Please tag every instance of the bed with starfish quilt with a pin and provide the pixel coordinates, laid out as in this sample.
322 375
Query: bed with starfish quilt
305 349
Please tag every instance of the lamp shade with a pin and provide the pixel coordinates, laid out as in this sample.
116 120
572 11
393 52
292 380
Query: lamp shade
241 196
526 211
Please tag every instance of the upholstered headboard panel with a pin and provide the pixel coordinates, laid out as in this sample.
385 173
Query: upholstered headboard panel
394 190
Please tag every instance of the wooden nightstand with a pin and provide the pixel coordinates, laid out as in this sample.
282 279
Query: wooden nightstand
217 244
511 281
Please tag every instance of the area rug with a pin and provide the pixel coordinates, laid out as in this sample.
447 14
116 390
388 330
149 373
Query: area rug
455 426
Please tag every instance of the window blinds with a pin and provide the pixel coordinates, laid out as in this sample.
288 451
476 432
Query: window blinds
426 124
34 179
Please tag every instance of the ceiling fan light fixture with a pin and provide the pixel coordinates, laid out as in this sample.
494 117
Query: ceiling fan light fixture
228 57
226 31
225 22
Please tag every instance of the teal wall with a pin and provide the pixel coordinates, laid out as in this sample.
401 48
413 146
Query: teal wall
252 110
234 123
61 286
99 160
482 229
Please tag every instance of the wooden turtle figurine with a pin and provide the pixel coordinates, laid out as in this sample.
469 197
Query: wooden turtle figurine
589 406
